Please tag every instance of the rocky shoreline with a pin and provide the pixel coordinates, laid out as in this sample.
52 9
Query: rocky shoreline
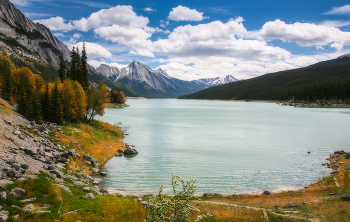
26 151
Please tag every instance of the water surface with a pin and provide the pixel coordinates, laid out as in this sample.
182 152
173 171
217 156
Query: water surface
229 147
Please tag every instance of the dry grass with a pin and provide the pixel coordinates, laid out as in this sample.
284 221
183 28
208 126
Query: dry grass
4 107
101 141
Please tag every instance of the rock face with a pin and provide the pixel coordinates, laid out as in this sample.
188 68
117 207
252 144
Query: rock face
30 39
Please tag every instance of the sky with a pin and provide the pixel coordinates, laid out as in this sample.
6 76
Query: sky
196 39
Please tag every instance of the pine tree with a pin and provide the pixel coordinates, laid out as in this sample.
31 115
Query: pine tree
45 103
79 67
36 112
56 115
62 70
85 73
73 65
7 85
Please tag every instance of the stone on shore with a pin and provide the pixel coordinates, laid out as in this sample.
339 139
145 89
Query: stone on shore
91 159
16 192
130 150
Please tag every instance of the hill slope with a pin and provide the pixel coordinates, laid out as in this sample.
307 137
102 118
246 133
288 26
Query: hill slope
328 80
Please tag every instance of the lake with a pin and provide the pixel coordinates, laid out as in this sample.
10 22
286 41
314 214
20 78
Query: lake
229 147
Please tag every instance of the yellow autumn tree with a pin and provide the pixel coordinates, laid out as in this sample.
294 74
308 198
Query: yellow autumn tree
70 108
97 98
80 100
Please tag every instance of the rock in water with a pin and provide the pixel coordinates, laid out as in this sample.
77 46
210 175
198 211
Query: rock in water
130 150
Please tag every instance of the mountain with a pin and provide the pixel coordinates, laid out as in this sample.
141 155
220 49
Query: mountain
157 83
328 80
217 81
148 82
22 37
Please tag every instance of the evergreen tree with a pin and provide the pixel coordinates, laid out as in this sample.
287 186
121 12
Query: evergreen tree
45 103
36 112
62 70
85 73
56 115
73 65
7 85
79 67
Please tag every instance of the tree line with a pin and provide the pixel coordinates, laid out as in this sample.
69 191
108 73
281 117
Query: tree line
70 98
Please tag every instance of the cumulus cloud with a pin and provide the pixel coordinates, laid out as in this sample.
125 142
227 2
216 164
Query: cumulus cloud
121 15
339 10
304 34
337 46
183 13
135 37
56 23
216 39
94 50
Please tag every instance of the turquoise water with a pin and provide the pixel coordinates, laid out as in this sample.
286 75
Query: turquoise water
229 147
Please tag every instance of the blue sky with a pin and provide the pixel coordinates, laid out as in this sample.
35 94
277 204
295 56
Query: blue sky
200 38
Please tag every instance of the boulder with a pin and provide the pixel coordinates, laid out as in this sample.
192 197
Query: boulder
72 153
347 155
64 155
12 173
103 173
16 166
90 196
57 173
130 150
95 170
86 189
28 200
91 159
97 181
4 183
30 151
266 192
25 166
16 192
29 208
79 183
4 215
347 167
120 151
3 195
42 129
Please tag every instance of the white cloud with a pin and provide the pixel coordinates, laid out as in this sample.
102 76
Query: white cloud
58 34
336 23
94 50
121 15
183 13
56 23
76 35
163 23
304 34
337 46
339 10
95 64
148 9
216 39
142 52
135 37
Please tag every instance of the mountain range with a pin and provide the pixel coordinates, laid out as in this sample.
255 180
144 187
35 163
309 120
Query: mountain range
157 83
32 44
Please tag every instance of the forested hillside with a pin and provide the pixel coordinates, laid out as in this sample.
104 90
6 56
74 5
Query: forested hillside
328 81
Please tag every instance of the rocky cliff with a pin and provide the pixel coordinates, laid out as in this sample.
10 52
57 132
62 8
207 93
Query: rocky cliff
21 36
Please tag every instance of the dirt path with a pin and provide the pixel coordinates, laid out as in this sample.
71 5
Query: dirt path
257 208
